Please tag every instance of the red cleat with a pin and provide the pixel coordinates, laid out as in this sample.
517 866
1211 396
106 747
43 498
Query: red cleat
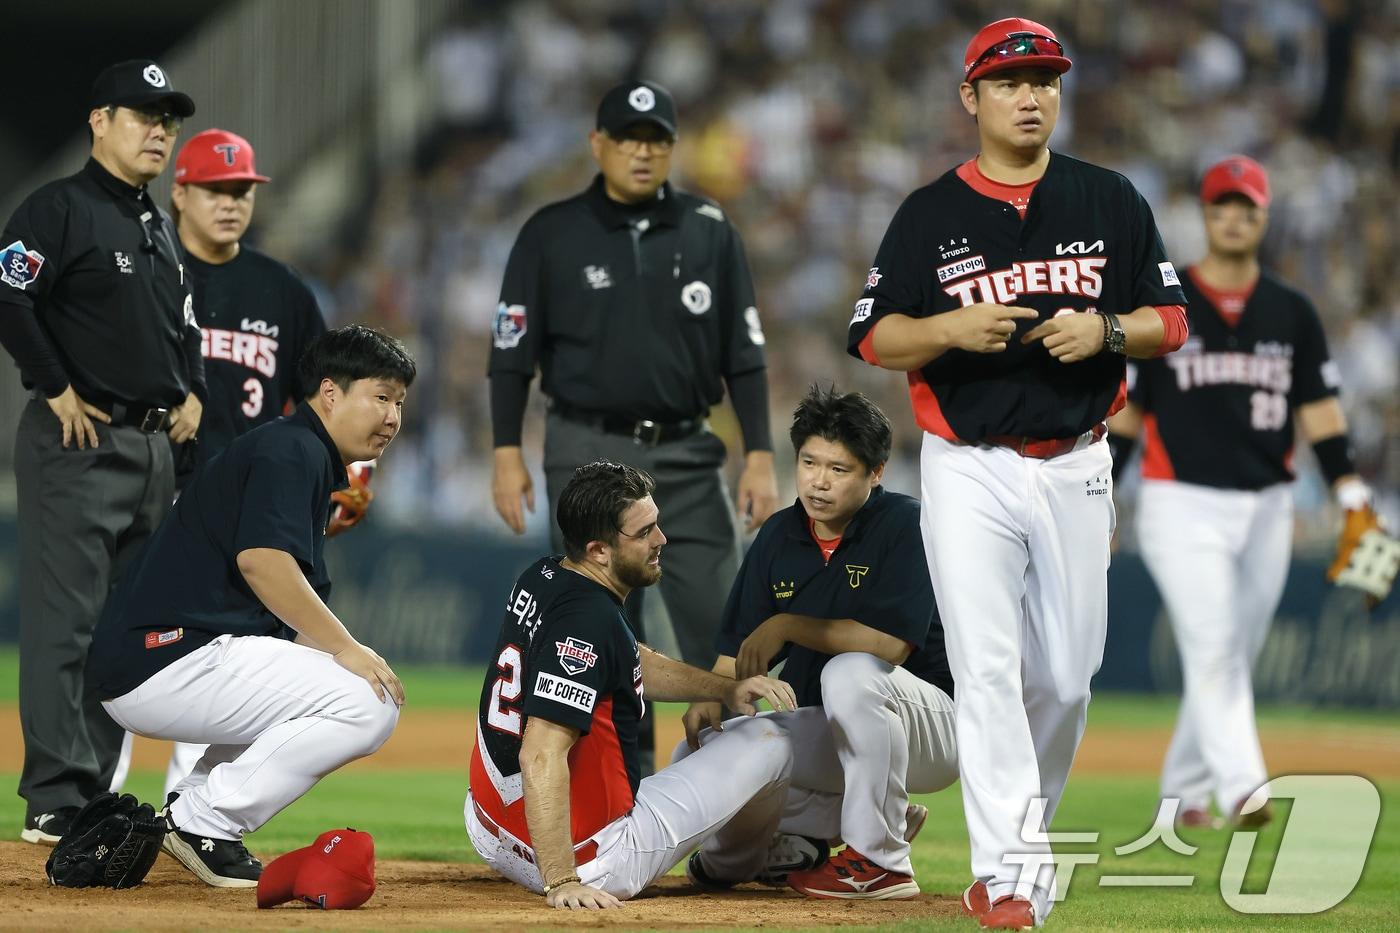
850 876
1009 913
975 900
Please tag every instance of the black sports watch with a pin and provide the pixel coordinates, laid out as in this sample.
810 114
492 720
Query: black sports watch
1114 340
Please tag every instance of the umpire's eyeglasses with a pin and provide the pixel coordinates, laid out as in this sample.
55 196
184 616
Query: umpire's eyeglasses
151 116
628 144
1019 45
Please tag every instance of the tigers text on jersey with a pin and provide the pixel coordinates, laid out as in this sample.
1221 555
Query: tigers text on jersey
565 654
1219 411
256 317
1088 243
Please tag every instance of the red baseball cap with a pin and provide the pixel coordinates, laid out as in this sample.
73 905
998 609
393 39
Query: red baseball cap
1013 43
336 872
215 155
1236 175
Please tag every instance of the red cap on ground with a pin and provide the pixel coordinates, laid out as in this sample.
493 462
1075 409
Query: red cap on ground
336 872
1236 175
1038 48
215 155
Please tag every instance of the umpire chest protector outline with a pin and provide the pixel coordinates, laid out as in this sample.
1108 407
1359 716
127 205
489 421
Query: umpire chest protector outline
630 312
1088 242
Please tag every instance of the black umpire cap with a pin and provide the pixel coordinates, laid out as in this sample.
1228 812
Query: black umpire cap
637 102
137 83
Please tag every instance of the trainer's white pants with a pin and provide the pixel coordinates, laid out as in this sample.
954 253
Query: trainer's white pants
278 716
1018 552
726 798
880 735
1220 559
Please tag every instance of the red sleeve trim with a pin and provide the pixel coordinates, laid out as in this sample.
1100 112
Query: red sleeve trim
1174 329
867 347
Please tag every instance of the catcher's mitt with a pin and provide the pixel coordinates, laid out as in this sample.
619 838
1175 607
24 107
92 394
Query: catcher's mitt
113 843
1367 558
349 505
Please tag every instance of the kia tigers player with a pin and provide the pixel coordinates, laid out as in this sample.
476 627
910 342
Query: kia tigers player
1009 292
256 315
556 802
1215 515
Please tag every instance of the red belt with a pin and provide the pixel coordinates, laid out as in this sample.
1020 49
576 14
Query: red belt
583 853
1042 449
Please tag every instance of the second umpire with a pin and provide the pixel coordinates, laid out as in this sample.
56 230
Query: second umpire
634 301
95 310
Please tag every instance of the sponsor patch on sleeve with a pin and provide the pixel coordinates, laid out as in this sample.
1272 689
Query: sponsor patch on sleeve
161 639
863 308
755 326
20 266
1168 273
509 326
873 277
1331 375
562 690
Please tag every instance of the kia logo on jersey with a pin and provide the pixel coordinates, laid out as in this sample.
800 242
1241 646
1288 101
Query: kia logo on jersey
1078 248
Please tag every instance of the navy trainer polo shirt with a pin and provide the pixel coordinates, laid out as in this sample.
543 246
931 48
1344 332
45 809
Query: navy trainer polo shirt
877 576
270 488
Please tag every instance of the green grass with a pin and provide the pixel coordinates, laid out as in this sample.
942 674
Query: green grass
417 815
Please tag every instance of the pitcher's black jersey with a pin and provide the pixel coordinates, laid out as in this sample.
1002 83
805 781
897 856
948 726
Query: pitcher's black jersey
565 654
1219 411
1088 242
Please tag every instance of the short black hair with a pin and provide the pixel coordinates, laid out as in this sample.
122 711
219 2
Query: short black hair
354 352
591 505
847 418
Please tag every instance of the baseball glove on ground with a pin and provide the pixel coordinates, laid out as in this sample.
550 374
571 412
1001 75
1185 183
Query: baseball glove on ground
112 844
1367 558
349 505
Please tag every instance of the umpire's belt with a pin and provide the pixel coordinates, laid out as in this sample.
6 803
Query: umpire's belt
645 433
150 419
584 852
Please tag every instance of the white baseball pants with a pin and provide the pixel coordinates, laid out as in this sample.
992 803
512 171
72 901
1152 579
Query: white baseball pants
726 798
278 717
880 735
1219 558
1018 552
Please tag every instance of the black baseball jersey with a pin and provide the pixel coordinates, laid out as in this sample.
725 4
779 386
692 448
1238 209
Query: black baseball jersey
93 293
565 654
876 576
1219 411
1088 242
632 312
256 317
270 489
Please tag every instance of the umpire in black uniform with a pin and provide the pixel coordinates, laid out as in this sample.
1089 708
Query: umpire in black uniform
96 313
634 301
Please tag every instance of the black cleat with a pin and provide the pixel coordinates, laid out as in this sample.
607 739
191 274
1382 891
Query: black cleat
47 828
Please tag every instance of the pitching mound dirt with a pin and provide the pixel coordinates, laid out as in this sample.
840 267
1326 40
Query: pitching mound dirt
411 896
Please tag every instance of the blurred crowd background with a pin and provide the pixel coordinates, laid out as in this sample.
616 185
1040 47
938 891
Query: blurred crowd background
809 121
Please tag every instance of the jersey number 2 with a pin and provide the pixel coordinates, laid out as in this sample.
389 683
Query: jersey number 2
505 691
253 403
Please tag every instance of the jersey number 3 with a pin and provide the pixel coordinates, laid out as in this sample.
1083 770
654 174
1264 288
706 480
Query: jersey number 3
506 691
253 403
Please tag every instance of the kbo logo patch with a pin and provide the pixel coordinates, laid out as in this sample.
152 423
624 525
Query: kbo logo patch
509 326
575 656
20 266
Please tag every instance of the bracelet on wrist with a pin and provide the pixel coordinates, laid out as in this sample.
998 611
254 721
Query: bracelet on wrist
567 879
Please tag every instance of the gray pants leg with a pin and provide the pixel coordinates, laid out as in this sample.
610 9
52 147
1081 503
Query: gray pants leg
83 516
701 557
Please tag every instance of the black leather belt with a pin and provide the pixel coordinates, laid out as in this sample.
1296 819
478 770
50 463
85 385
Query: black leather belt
149 419
645 433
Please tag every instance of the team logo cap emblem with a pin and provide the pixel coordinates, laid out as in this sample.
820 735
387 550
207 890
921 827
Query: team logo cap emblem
641 98
154 76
